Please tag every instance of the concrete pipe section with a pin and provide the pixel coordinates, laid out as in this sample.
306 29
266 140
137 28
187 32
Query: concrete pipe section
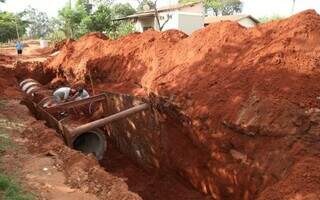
91 142
29 85
25 81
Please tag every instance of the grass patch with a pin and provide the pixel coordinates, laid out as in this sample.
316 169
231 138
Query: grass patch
3 103
11 190
5 142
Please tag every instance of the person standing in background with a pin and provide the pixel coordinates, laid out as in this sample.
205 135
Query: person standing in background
19 47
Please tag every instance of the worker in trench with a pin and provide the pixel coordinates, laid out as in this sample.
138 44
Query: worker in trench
70 94
65 94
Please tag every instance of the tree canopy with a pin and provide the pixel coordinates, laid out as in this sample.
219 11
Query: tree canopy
38 22
122 10
11 26
142 3
83 18
220 7
72 21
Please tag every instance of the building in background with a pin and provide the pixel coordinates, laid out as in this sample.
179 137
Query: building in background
184 17
244 20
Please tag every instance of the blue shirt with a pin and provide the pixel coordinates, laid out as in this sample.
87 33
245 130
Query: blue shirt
19 46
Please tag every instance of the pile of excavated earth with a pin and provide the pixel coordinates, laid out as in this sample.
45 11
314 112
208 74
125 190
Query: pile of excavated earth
249 99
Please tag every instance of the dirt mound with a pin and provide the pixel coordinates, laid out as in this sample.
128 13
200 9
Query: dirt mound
6 59
8 83
33 70
59 45
42 51
251 97
81 171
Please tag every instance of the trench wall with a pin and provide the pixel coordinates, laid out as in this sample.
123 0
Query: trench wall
137 136
157 139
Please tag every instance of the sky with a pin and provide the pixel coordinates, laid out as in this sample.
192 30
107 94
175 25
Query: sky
256 8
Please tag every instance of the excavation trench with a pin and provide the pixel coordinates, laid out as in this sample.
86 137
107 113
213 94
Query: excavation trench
149 143
249 102
127 137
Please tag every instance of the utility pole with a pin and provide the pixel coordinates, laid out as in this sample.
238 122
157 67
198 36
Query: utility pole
293 6
69 21
17 29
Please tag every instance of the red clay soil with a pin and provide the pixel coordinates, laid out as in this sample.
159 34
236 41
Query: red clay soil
149 186
81 171
59 45
251 97
8 82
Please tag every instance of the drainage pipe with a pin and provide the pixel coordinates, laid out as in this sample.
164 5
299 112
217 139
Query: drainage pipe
94 142
27 85
26 81
101 122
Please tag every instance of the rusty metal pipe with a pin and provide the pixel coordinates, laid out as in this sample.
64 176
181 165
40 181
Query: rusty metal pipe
101 122
68 105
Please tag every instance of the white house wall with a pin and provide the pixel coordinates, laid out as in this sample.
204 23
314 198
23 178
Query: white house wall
138 26
190 22
173 22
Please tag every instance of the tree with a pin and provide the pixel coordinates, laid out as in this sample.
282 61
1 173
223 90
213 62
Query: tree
72 18
82 18
220 7
100 20
143 3
11 26
102 2
84 6
152 6
121 30
38 23
122 10
57 34
230 7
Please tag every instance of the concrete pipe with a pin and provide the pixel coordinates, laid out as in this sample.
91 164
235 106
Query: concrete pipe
27 85
89 141
25 81
32 89
29 80
93 141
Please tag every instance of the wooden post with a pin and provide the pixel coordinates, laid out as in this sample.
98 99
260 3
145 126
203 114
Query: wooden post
91 82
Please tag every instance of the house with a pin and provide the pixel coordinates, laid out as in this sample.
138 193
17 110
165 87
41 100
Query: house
244 20
184 17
